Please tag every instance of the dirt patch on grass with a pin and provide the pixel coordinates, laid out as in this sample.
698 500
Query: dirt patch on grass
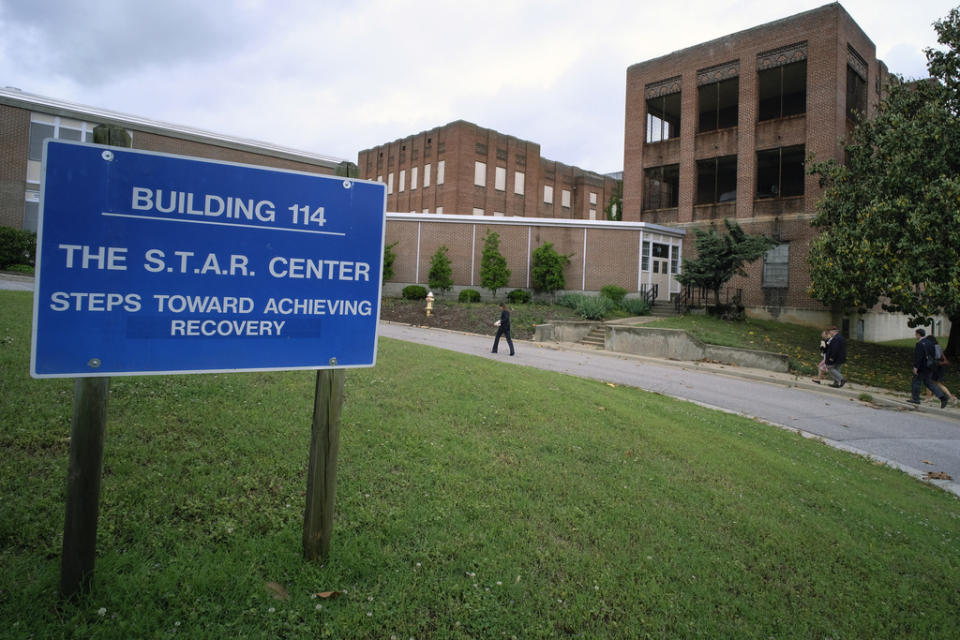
473 317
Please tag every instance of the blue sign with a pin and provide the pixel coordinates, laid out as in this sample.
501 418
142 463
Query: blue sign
150 263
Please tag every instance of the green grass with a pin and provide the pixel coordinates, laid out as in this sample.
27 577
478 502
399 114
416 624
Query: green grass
475 500
884 365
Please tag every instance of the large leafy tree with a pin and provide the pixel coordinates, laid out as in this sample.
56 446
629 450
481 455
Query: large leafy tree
890 214
494 273
722 256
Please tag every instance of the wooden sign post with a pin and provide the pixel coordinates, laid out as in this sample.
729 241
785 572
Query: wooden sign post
322 470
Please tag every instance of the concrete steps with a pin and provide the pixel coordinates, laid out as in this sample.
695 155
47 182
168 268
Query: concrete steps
596 338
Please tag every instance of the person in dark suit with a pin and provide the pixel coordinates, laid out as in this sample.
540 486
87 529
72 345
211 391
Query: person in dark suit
503 329
924 362
835 356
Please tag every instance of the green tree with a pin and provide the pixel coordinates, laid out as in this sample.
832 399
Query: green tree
440 277
614 207
546 269
720 257
493 266
388 258
890 215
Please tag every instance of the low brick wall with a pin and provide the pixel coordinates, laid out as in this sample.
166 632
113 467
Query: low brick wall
673 344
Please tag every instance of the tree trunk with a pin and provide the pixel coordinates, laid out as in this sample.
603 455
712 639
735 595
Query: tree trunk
952 349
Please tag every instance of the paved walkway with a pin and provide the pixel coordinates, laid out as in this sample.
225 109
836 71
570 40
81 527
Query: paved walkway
884 427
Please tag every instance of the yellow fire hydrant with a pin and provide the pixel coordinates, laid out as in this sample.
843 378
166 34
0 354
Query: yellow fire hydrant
429 304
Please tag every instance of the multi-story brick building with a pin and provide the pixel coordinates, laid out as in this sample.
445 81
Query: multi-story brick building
27 120
464 169
724 129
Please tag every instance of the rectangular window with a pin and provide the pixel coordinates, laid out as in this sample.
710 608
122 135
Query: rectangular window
661 186
413 178
645 256
776 266
718 104
498 214
593 197
547 194
780 172
403 179
856 95
390 183
518 182
717 180
565 198
439 209
440 171
782 91
500 178
593 214
663 117
426 175
477 212
480 174
674 259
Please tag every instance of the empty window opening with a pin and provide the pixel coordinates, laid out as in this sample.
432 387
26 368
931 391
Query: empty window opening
717 180
783 91
780 172
718 104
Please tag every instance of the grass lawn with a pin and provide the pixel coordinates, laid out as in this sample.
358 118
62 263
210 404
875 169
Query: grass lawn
476 500
884 365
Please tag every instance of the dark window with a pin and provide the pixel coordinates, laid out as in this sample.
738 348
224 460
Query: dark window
660 187
856 95
717 103
663 117
783 91
38 133
780 172
776 264
717 180
661 250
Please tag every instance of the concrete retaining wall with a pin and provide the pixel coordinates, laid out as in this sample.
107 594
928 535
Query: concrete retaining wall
673 344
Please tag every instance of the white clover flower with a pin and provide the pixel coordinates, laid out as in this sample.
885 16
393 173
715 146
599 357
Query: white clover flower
102 611
271 610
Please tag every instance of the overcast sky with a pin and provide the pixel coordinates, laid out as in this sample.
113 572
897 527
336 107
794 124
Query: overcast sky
334 77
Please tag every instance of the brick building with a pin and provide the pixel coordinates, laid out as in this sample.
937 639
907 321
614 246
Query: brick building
27 120
464 169
724 129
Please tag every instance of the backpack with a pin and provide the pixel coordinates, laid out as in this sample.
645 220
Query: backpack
929 354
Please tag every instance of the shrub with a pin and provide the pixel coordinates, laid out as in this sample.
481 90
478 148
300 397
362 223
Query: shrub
469 295
570 300
519 296
547 269
414 292
21 268
594 308
17 246
614 293
636 306
587 307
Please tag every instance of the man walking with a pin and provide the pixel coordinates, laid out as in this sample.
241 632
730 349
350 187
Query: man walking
924 362
503 329
835 357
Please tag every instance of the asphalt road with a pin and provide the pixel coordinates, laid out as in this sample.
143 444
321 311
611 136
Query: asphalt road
916 442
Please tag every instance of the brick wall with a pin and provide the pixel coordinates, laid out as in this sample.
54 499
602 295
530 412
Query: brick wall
461 145
14 141
827 36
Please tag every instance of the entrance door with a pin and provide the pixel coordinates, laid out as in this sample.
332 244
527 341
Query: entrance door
660 270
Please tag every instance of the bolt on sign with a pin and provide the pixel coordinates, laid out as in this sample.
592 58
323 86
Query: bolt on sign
157 264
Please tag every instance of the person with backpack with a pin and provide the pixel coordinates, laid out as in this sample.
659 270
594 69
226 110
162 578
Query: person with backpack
940 368
924 361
